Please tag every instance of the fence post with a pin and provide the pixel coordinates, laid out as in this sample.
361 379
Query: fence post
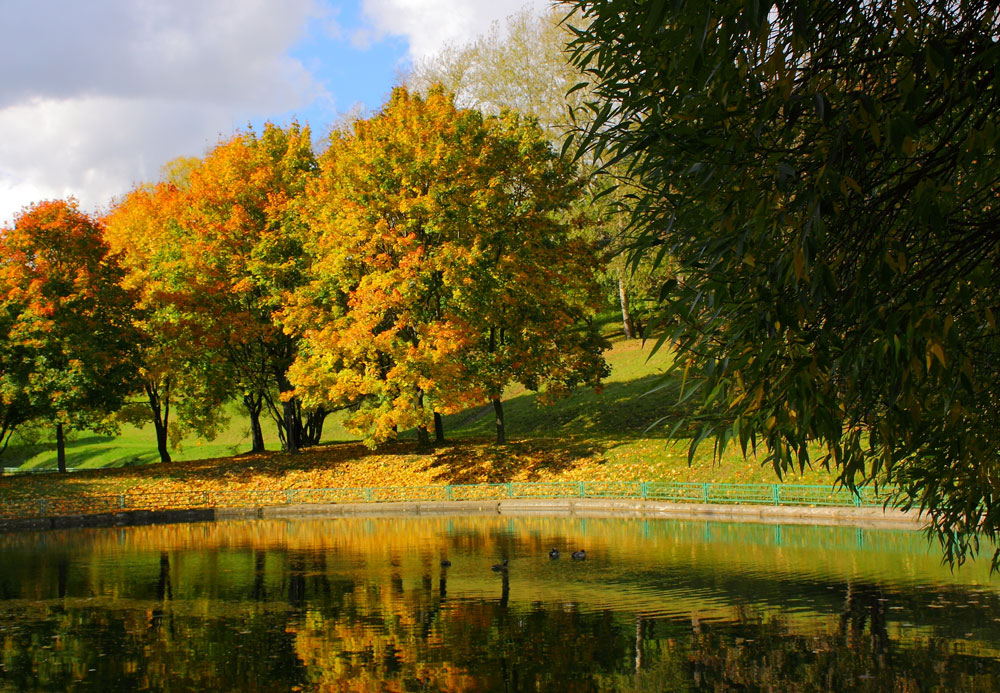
510 489
121 501
449 492
583 489
776 491
704 492
368 495
643 489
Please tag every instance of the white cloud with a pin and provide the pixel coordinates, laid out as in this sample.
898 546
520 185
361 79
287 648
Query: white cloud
97 95
429 25
96 148
118 87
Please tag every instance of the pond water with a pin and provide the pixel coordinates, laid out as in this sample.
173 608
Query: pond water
365 604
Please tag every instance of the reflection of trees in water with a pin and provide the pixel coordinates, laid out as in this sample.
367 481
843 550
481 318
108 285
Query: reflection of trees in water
258 593
296 580
866 604
298 618
163 589
164 594
765 652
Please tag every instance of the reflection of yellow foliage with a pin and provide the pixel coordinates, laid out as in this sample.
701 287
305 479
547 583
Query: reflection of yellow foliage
390 628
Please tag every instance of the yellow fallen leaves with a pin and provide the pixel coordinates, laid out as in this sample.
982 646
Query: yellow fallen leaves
396 464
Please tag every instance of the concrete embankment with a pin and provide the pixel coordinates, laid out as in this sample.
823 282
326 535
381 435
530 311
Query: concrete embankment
599 507
582 507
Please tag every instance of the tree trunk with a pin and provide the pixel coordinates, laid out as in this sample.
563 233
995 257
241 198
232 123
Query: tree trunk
423 437
312 432
628 324
291 426
161 416
254 406
501 433
291 418
60 448
438 428
162 442
256 434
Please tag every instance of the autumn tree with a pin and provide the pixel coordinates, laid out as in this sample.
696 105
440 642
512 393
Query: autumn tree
440 271
184 378
523 64
242 244
826 176
67 323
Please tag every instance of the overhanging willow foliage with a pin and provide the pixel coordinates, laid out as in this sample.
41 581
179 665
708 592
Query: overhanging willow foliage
826 177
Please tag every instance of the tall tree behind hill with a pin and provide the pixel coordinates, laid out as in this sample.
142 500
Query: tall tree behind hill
826 174
68 321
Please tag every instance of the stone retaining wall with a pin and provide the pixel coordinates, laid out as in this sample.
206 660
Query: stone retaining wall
581 507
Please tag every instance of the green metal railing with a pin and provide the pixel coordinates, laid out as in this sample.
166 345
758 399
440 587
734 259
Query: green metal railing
19 471
758 494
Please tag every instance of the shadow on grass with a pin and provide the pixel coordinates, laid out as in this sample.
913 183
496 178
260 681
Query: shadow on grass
275 464
644 407
474 462
547 440
135 460
76 456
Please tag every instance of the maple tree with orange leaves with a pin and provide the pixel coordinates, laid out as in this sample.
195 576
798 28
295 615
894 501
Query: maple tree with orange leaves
243 253
66 322
442 269
184 378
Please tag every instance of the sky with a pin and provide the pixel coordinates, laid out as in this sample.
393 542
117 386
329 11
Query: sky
96 96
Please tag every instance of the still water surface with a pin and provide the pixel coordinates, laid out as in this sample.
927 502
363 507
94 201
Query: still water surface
365 604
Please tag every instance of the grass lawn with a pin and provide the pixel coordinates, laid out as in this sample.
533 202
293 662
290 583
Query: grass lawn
587 436
137 446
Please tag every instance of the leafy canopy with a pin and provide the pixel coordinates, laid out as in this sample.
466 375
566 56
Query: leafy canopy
181 366
826 176
440 271
68 341
242 247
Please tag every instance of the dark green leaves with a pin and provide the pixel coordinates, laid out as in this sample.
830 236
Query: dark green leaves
825 176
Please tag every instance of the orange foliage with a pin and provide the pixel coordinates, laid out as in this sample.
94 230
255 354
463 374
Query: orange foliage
180 351
442 272
267 476
64 320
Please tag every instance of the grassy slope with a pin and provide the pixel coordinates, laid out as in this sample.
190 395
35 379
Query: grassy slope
587 436
137 446
619 433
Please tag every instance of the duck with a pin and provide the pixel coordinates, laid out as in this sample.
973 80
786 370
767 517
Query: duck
445 563
500 567
580 555
554 554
